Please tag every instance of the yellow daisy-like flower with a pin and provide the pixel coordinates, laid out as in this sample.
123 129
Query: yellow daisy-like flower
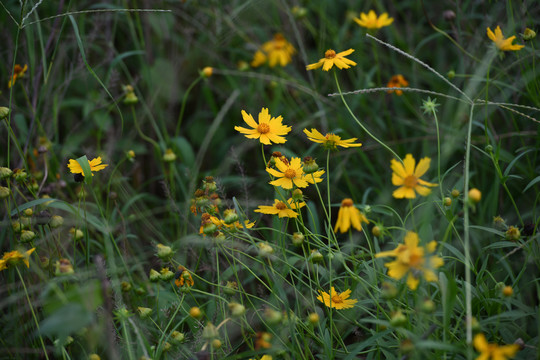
371 21
330 140
407 176
493 351
397 81
331 58
238 226
277 51
95 165
337 300
13 258
316 178
183 277
18 72
502 43
349 215
268 129
288 174
281 209
412 260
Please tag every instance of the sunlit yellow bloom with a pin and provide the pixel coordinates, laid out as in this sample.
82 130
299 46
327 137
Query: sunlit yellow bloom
18 71
277 51
371 21
268 129
407 176
337 300
288 174
316 178
237 225
397 81
95 165
502 43
281 209
349 215
183 277
331 58
412 260
13 258
330 140
493 351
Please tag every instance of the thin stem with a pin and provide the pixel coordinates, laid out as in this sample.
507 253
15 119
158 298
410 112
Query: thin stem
183 108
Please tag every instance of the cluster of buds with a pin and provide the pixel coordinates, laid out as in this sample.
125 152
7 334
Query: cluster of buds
129 95
206 199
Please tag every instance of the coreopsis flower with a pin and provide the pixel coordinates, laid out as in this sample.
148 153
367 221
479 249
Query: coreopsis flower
330 141
281 209
288 174
372 21
95 165
500 42
183 277
18 72
314 177
337 300
493 351
238 226
397 81
269 129
262 340
14 258
412 259
407 176
331 58
349 215
277 51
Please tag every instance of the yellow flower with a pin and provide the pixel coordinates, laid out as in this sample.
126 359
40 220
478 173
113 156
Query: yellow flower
18 71
316 178
331 58
182 277
397 81
408 177
289 173
95 165
330 141
13 258
337 300
493 351
281 209
268 129
276 51
348 214
411 259
502 43
371 21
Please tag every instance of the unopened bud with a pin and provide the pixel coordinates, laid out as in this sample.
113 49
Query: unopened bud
297 238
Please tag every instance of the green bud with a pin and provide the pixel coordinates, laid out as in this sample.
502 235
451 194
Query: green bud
164 252
27 236
4 192
316 257
5 173
230 216
210 332
297 238
177 337
4 112
56 221
237 309
154 275
144 312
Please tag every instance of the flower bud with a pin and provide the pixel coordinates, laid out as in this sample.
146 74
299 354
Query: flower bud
131 98
94 357
499 222
310 166
207 72
406 346
63 267
242 65
398 319
216 344
169 156
166 274
455 193
144 312
230 216
528 34
447 201
230 288
376 231
451 74
299 12
297 238
195 312
27 236
474 195
167 346
265 250
507 291
164 252
512 234
177 337
388 291
428 306
209 184
20 175
475 325
297 195
272 316
219 238
237 309
449 15
4 192
28 212
44 262
316 257
76 234
5 173
154 275
4 112
488 148
130 154
17 226
210 332
209 228
313 318
125 286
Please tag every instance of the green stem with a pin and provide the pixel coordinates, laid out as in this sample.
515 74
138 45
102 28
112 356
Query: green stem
183 108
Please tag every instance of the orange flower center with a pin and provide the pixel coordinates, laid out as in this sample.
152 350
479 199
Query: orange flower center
330 54
410 181
17 68
415 260
347 203
290 173
336 299
280 205
263 128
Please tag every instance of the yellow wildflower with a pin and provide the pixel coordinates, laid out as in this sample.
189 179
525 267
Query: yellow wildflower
288 174
277 51
331 58
268 129
95 165
493 351
411 259
314 177
500 42
371 21
18 72
348 214
13 258
330 141
397 81
281 209
183 277
337 300
407 176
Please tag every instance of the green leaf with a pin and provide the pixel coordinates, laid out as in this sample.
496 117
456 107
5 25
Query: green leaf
85 165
